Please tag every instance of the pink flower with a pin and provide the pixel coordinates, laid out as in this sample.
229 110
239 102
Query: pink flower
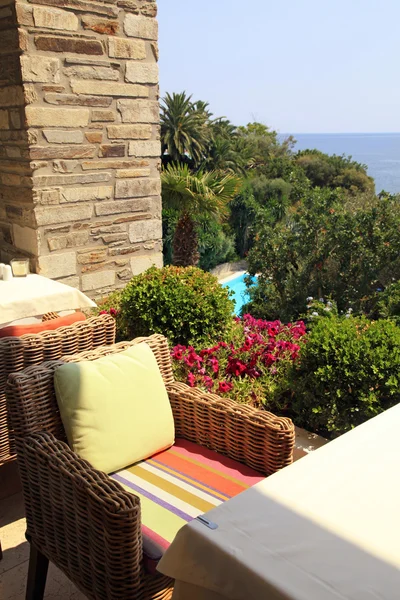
113 312
236 367
191 380
208 382
224 387
103 312
214 365
178 352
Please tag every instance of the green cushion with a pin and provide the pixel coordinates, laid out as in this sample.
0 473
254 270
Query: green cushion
115 409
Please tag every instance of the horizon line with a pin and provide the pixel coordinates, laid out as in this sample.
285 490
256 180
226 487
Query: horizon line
340 133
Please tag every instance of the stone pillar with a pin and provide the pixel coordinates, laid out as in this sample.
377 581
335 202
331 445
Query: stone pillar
79 117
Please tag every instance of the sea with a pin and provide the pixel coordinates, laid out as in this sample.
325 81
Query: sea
379 151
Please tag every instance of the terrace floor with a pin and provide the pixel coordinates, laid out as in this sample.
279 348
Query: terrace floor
14 566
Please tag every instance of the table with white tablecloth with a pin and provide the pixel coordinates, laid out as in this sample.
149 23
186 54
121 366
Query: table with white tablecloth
325 528
36 295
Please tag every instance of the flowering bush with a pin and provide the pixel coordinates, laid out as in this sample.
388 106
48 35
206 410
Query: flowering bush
250 367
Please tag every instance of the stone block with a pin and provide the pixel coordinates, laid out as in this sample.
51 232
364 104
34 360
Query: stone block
102 115
53 18
100 25
132 173
141 72
73 100
122 206
129 132
140 148
85 194
144 231
112 150
124 274
114 237
65 166
49 152
76 45
142 263
149 9
59 136
98 280
25 238
51 180
129 5
4 122
94 137
12 95
38 116
93 256
113 164
82 6
46 197
24 14
57 242
107 88
54 215
40 69
107 229
123 48
138 111
57 265
15 118
89 72
141 27
137 188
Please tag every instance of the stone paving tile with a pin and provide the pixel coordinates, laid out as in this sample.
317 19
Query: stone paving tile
14 566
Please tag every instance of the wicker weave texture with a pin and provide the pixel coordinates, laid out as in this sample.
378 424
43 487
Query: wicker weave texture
16 353
96 517
84 522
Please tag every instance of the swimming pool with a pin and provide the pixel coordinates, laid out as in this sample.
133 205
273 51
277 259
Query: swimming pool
237 285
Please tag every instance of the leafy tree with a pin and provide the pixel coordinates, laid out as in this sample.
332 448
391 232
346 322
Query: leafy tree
322 249
335 171
194 195
185 130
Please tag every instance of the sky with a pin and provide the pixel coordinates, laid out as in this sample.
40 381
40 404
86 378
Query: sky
299 66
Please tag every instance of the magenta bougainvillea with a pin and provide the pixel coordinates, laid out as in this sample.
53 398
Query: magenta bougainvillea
251 367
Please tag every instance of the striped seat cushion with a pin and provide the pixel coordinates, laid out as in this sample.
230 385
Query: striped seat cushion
177 485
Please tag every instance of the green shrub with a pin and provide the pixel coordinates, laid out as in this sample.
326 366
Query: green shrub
186 305
388 304
348 372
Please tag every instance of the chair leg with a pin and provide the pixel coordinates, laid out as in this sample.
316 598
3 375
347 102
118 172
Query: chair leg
37 574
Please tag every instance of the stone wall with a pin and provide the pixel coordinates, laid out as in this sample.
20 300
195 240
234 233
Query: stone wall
79 118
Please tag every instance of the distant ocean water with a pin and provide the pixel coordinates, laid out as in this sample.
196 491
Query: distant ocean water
379 151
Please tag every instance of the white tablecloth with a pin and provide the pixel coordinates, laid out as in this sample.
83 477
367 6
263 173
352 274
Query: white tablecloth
325 528
36 295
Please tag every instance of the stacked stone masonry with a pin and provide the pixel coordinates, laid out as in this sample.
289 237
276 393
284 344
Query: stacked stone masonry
79 139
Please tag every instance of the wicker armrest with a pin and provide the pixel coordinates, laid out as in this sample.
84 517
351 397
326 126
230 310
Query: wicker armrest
254 437
81 520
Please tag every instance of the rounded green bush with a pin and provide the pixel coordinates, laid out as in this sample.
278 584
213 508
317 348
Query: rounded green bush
348 372
186 305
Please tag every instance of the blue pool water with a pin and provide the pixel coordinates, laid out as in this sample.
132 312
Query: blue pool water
239 289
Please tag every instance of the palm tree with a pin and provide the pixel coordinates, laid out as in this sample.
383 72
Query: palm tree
194 195
184 128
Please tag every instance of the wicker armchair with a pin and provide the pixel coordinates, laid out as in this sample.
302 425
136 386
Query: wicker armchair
17 353
84 521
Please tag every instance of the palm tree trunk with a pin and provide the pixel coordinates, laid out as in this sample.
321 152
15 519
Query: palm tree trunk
186 244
